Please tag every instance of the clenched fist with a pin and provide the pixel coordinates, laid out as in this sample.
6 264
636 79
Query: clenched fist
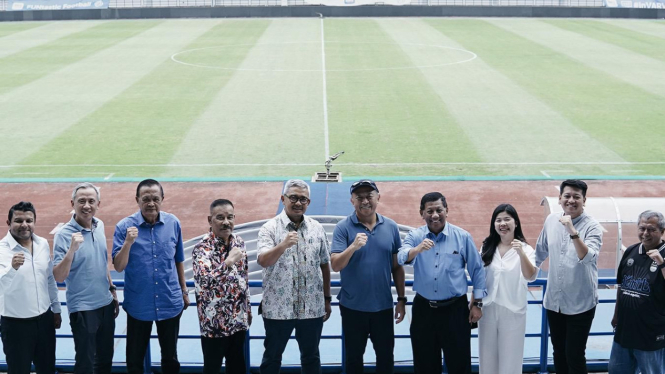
360 241
132 234
235 255
77 240
18 260
291 239
426 245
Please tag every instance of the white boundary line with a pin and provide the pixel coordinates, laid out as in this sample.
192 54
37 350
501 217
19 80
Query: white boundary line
325 94
343 164
174 57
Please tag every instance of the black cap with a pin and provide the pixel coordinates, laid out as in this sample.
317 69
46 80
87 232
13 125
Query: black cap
364 183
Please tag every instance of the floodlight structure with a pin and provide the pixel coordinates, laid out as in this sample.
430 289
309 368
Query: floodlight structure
329 176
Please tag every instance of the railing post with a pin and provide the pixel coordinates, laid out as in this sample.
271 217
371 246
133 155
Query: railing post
147 360
544 339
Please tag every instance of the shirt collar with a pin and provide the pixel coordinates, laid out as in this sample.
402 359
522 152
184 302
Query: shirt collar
445 231
578 218
218 242
81 228
285 221
354 218
141 220
13 243
641 250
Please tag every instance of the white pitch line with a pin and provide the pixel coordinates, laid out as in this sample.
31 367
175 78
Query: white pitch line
109 176
325 94
389 164
545 174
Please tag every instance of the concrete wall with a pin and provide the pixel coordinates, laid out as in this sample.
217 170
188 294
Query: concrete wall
332 11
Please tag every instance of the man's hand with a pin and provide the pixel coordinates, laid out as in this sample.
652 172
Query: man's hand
426 245
655 256
359 241
116 305
400 311
18 260
185 299
328 311
615 321
132 234
57 319
567 222
234 256
475 314
249 318
291 239
77 240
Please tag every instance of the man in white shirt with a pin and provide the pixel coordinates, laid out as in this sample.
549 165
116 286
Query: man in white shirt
28 295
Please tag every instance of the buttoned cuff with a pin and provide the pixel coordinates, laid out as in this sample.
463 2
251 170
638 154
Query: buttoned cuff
479 294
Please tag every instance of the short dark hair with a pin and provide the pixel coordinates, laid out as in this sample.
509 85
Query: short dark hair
23 206
432 196
574 183
148 183
220 202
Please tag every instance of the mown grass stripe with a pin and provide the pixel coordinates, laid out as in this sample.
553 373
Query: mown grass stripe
149 120
383 115
613 112
9 28
27 66
646 45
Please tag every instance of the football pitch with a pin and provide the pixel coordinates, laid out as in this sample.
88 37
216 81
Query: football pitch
261 99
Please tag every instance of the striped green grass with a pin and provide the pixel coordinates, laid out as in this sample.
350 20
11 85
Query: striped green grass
544 97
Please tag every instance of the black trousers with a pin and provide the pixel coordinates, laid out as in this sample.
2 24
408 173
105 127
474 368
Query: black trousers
569 335
379 326
93 339
138 338
308 336
231 348
434 330
29 340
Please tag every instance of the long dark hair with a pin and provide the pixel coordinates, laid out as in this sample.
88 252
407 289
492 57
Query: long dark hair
492 242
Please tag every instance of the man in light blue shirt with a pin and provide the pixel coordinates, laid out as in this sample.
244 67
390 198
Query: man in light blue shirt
439 252
148 247
81 261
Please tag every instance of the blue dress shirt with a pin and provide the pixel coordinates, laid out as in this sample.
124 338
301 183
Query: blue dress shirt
152 291
439 272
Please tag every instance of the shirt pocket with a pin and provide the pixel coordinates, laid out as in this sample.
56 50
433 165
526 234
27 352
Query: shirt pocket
168 254
453 262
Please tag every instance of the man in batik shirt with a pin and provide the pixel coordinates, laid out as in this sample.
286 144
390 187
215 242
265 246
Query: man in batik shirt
222 292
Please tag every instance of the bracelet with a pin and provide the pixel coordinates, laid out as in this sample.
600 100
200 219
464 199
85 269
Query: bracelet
112 288
402 298
661 266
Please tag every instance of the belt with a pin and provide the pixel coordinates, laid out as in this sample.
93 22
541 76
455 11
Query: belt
440 303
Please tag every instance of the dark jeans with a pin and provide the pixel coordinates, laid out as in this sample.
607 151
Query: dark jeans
308 335
231 348
93 339
444 328
379 326
138 338
28 340
569 335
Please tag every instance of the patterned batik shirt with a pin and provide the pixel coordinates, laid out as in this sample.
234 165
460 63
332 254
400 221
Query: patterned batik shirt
222 292
293 286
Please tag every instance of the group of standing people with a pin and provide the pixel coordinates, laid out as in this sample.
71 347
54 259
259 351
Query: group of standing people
297 257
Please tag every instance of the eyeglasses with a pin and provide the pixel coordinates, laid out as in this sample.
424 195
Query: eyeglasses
294 199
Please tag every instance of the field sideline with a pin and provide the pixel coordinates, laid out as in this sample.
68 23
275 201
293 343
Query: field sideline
266 98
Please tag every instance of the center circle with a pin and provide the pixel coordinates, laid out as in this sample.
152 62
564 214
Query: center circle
307 56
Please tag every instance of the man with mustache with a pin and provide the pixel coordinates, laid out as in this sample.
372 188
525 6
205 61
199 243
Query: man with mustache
639 313
28 295
364 251
147 246
572 241
293 251
439 251
81 261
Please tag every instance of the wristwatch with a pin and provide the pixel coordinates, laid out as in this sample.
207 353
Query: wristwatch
327 298
576 236
402 298
478 304
661 266
112 287
185 292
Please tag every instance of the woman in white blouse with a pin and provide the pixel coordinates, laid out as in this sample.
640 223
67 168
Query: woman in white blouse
509 265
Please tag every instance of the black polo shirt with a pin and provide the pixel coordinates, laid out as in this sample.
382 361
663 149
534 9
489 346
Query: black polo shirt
641 301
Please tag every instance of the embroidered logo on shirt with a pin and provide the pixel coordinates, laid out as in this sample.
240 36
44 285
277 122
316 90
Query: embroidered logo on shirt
630 262
660 338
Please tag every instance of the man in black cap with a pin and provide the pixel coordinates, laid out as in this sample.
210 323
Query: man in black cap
364 251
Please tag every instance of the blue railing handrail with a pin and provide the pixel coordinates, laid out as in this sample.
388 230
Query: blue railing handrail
544 332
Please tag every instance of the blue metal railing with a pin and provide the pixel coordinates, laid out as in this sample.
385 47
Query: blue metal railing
543 334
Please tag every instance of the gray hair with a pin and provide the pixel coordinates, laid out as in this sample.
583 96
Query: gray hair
85 185
299 183
649 214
